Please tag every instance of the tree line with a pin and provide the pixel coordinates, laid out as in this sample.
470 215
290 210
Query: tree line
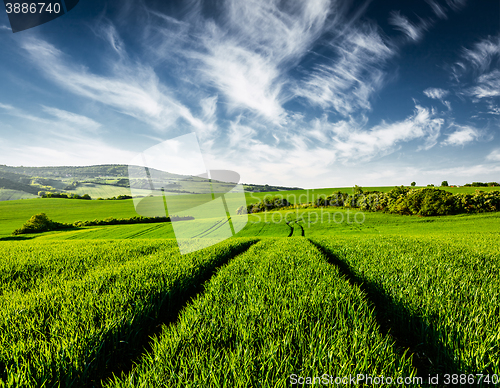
428 201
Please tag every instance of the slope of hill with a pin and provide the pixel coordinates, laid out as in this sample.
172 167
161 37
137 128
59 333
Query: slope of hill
106 181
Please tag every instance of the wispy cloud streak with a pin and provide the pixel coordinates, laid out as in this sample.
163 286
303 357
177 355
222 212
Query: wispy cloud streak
404 25
347 82
438 9
133 90
436 93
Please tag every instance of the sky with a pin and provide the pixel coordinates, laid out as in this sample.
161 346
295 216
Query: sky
307 93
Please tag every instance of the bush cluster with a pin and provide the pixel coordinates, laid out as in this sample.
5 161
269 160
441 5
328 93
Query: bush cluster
482 184
120 197
44 194
428 201
40 223
267 204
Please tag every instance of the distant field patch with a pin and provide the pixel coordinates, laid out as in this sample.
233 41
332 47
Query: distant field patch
11 195
104 191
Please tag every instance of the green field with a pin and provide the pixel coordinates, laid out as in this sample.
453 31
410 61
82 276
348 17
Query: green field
296 293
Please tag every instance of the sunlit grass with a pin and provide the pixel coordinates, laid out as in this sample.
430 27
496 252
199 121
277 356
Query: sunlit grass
279 309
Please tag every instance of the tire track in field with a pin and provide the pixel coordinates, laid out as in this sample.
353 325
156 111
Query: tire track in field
383 305
302 228
146 230
295 227
169 314
213 229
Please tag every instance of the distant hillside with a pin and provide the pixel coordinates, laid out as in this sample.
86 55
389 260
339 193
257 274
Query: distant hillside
265 188
114 170
13 185
106 181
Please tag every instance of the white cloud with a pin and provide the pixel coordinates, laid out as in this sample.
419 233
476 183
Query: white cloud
467 173
108 32
482 53
494 155
247 52
73 119
19 113
447 104
6 106
209 107
312 152
463 135
282 31
488 85
68 139
230 77
436 93
493 109
438 9
456 5
402 24
481 62
60 152
383 138
245 78
134 90
347 83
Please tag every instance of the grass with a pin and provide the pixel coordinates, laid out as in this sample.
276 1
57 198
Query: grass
444 296
13 214
277 310
78 305
70 311
114 232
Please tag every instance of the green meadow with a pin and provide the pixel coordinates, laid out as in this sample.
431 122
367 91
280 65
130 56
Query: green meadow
304 292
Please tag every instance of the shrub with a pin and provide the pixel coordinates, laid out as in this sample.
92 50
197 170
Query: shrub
40 223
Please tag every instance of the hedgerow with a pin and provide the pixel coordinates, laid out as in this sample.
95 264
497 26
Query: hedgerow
41 223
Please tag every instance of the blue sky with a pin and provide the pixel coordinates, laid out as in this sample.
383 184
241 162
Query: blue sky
311 93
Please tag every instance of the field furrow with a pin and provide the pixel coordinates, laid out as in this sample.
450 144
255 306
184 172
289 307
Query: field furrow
442 300
79 310
276 313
